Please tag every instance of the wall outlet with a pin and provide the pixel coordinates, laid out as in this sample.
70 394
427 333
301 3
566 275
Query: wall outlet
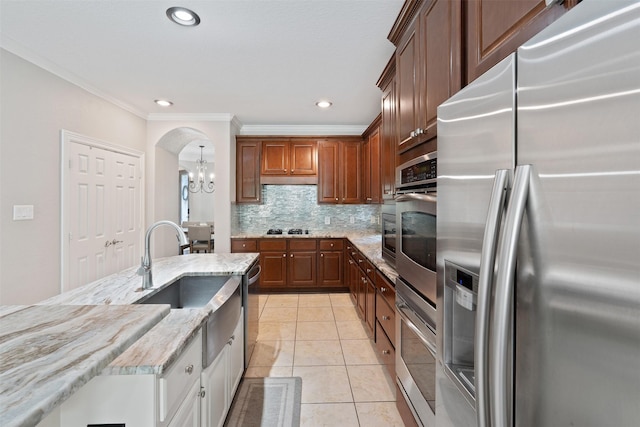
327 220
373 219
352 219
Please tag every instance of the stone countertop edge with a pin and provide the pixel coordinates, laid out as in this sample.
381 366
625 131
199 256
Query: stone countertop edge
156 351
49 352
370 244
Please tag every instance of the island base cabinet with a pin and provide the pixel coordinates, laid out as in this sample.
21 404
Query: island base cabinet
171 399
188 414
220 380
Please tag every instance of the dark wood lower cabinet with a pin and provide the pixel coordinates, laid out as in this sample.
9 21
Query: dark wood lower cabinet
302 268
274 269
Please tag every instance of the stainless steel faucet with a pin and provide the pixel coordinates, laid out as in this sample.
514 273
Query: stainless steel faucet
145 267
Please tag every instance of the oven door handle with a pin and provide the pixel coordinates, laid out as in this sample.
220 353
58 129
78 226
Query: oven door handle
410 197
406 314
485 283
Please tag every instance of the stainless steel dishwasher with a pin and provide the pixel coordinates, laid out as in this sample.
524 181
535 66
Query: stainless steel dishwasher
251 310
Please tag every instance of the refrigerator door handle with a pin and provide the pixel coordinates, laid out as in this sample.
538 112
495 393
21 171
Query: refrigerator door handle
485 282
503 304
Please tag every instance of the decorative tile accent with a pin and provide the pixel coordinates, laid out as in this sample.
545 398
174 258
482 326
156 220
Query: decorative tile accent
296 206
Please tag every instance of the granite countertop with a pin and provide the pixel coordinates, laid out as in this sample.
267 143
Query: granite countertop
49 350
368 243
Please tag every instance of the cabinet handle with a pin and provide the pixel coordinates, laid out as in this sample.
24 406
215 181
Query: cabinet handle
369 199
350 262
244 245
284 255
321 255
359 260
383 289
368 270
202 392
291 255
332 245
353 253
386 352
336 199
285 170
386 318
189 369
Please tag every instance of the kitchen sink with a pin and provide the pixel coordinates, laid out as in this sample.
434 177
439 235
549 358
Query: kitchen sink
224 296
188 291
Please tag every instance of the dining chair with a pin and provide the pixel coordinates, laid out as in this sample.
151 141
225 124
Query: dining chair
199 238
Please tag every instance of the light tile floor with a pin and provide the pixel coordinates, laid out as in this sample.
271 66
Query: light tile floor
320 338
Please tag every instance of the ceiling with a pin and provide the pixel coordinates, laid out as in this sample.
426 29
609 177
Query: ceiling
266 62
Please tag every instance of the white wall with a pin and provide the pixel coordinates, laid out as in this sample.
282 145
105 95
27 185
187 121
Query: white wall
34 106
201 204
162 178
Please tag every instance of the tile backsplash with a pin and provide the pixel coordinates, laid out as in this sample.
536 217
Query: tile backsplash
296 206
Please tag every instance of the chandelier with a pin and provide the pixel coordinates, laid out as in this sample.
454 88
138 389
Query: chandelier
201 186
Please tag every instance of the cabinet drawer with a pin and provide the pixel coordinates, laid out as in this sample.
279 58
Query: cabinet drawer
331 244
369 270
302 244
273 245
386 289
244 245
175 383
386 316
386 352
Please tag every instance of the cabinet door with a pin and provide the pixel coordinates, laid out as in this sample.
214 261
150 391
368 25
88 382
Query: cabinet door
304 159
188 414
362 294
388 141
370 304
236 358
216 397
375 186
351 172
330 269
275 158
353 279
406 63
440 64
328 171
497 28
302 268
248 172
274 269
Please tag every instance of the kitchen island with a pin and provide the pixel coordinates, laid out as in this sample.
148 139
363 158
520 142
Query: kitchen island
50 350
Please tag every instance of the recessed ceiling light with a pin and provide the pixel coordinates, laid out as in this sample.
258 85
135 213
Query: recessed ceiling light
183 16
324 104
163 102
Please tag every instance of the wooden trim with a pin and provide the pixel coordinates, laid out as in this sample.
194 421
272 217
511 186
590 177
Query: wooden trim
388 73
375 124
288 180
403 21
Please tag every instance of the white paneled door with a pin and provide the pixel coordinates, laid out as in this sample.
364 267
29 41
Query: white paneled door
102 214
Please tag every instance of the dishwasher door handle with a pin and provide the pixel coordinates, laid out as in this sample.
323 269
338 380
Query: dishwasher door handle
253 279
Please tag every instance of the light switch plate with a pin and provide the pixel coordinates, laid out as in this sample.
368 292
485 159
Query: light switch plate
327 220
22 212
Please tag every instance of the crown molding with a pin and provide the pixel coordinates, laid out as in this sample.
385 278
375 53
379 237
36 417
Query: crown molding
302 130
10 45
189 117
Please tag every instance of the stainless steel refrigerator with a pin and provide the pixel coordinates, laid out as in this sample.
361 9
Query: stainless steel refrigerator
538 224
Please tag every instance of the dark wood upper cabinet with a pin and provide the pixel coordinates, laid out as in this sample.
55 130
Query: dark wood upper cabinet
248 171
388 136
496 28
371 164
428 67
275 158
339 171
289 158
351 169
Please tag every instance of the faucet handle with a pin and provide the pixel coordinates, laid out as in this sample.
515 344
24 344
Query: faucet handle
142 269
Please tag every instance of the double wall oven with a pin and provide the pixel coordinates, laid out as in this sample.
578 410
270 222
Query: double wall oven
415 259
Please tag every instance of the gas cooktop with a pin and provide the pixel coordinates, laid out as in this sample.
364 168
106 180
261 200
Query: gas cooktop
289 231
